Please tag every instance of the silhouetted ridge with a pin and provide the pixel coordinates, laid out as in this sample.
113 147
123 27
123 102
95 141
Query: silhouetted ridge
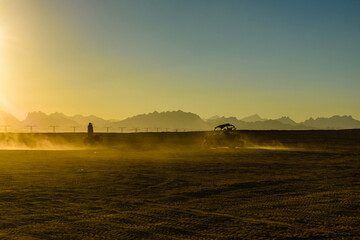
43 121
9 122
168 121
83 120
287 120
252 118
171 119
334 122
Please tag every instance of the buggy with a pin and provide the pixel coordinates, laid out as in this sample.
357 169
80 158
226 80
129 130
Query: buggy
224 135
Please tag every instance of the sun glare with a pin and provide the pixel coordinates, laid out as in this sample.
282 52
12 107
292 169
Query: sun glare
1 38
1 51
2 35
5 36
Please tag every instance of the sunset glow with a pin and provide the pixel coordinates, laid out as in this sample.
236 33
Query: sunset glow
173 119
233 59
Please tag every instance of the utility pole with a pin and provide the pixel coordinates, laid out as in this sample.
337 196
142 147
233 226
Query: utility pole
122 129
107 129
147 129
74 128
135 129
5 128
53 127
30 127
166 129
157 129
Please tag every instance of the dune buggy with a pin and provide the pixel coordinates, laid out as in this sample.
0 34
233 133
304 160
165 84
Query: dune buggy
224 135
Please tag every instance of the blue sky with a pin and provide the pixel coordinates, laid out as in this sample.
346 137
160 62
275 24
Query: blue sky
233 58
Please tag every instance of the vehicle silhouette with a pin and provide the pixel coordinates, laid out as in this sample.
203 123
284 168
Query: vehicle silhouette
223 136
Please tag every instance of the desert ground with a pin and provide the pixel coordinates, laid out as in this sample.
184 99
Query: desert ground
279 185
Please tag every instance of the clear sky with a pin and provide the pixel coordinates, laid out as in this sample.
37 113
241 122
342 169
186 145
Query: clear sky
115 58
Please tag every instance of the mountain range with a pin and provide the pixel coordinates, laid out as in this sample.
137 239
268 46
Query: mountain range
165 121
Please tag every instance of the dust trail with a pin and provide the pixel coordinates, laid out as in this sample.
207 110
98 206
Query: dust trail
285 148
56 148
12 142
274 148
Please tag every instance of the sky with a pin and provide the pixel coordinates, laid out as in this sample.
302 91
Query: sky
116 59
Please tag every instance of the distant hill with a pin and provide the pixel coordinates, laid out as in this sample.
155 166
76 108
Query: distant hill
252 118
213 117
11 122
287 120
335 122
221 120
43 121
167 121
274 125
172 120
258 125
96 121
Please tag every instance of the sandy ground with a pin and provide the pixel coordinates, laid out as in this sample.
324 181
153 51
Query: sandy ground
253 193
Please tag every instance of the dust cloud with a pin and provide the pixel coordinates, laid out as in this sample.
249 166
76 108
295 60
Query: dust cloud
18 141
176 141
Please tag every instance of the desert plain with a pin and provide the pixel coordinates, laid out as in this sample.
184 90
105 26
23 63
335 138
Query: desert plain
278 185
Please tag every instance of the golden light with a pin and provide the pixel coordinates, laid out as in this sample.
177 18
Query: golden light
4 104
2 36
6 40
5 36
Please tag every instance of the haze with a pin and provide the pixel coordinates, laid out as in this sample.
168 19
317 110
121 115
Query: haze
234 58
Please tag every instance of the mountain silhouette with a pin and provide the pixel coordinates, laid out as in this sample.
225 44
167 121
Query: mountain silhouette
252 118
171 120
10 122
287 120
334 122
213 122
258 125
168 121
96 121
42 121
213 117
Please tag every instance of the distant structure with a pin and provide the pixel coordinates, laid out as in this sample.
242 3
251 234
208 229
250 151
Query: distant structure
74 128
107 129
135 129
5 128
31 127
53 128
90 130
